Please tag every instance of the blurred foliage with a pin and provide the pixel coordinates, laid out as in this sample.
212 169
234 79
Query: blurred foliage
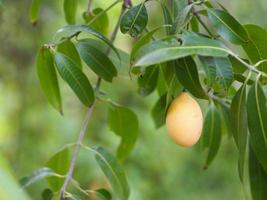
31 131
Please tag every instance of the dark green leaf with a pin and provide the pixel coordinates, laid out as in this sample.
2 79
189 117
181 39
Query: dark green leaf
257 117
242 79
47 194
102 22
48 77
59 163
97 61
124 123
70 8
134 21
256 47
238 67
148 81
212 133
75 78
174 88
159 111
36 176
186 71
69 50
258 178
240 127
34 11
114 173
103 194
72 30
227 26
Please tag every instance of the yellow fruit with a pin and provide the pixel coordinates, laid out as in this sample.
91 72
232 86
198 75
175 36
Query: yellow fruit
184 120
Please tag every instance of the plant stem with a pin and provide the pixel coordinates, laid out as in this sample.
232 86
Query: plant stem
89 6
86 119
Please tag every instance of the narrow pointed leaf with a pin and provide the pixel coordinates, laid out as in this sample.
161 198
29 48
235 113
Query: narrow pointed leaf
212 133
227 26
134 21
186 71
148 81
48 78
69 50
257 117
70 9
124 123
258 178
167 18
34 11
240 127
159 111
114 172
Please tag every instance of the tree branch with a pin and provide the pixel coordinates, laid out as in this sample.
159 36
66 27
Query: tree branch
88 116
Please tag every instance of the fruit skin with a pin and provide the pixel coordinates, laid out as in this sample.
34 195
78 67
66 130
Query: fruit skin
184 120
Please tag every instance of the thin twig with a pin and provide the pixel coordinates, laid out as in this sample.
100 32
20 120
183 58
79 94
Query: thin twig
86 120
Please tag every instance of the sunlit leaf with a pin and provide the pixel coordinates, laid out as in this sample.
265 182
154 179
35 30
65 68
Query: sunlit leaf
227 26
114 172
59 163
124 123
186 71
97 61
257 117
134 21
48 77
75 78
70 8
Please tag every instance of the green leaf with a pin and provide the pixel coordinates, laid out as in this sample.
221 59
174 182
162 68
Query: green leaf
102 22
97 61
256 47
257 117
72 30
70 9
240 127
34 11
148 81
159 51
174 89
114 172
212 133
238 67
258 178
48 77
159 111
134 21
186 71
59 163
69 50
124 123
10 189
167 18
47 194
75 78
227 26
36 176
219 73
183 17
103 194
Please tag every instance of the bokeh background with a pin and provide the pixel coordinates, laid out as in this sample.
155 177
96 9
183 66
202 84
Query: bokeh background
31 131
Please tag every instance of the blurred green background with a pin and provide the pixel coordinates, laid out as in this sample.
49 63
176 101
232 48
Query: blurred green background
31 131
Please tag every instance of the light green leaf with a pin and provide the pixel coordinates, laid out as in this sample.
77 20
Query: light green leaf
256 48
167 18
48 77
159 111
34 11
72 30
258 178
134 21
227 26
124 123
114 172
69 50
59 163
186 71
97 60
70 9
75 78
240 127
212 134
148 81
257 117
